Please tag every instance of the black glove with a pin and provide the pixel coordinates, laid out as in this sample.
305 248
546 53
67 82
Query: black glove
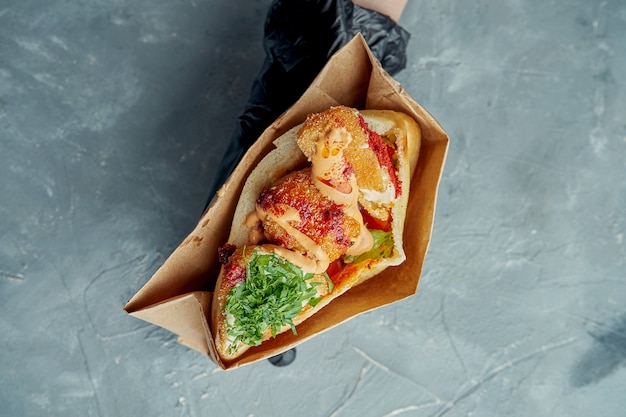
300 37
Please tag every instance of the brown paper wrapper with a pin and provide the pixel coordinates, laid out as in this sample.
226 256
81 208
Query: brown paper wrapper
178 296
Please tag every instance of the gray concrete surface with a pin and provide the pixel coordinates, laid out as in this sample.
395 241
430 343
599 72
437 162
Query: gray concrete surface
111 120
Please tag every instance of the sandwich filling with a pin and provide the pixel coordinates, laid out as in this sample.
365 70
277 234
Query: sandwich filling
310 225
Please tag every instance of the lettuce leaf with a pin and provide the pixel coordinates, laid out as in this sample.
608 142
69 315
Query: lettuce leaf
382 248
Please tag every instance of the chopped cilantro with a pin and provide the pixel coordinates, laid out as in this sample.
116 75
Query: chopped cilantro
272 295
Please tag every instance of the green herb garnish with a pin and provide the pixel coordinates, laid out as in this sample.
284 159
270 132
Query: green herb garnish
329 282
272 295
382 248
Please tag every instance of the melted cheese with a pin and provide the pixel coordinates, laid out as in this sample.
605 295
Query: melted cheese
386 197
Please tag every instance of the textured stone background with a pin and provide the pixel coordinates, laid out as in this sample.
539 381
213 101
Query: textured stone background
112 117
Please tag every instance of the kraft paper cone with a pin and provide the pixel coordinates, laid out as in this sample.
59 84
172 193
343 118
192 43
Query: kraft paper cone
178 295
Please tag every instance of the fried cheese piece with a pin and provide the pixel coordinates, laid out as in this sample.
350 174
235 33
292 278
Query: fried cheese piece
366 153
297 216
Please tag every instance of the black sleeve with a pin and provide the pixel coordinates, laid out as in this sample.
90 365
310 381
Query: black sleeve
300 36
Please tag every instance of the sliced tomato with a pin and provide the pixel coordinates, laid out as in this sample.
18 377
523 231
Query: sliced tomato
334 268
373 223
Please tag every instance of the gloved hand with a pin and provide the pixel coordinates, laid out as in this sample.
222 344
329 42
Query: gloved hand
300 37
